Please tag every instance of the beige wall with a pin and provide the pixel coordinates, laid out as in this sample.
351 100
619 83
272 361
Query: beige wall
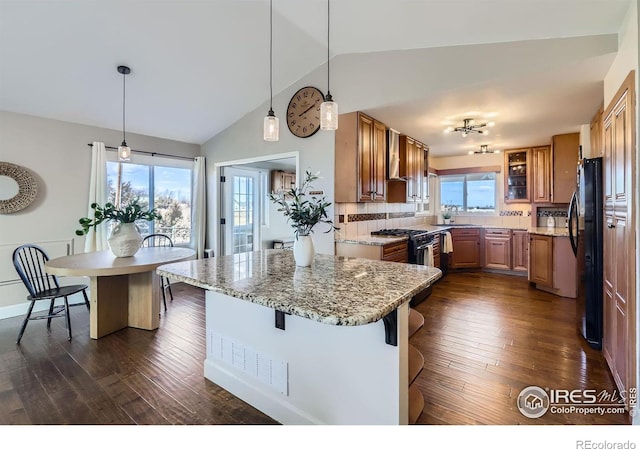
58 156
243 140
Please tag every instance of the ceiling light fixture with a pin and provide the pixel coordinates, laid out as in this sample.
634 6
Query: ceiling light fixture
329 108
124 152
469 127
484 149
271 131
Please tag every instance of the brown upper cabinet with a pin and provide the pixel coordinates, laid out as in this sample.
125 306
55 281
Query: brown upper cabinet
412 158
360 159
565 164
541 157
517 176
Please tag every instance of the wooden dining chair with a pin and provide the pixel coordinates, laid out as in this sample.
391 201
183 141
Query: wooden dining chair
29 261
160 240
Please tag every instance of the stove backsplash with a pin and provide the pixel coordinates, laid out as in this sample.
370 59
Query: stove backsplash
355 219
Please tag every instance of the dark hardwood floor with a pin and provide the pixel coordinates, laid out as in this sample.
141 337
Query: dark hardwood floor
485 338
488 336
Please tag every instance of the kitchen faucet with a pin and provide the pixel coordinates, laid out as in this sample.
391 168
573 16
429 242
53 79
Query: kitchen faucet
453 208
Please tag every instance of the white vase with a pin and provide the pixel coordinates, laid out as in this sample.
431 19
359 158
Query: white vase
446 220
125 240
303 251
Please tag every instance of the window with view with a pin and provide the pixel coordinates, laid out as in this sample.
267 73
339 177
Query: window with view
167 189
472 192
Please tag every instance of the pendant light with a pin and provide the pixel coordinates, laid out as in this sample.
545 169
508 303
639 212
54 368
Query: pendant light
271 131
329 108
124 152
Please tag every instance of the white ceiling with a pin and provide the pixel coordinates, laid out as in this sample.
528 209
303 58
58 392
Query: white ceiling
535 66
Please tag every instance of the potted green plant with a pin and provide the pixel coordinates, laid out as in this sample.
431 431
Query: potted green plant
304 211
124 239
446 216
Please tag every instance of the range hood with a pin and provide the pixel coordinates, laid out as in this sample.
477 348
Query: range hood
393 156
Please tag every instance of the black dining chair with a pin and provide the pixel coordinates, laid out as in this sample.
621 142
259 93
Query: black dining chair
29 261
160 240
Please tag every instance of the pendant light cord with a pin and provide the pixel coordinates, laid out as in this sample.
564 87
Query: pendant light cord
124 89
270 55
328 57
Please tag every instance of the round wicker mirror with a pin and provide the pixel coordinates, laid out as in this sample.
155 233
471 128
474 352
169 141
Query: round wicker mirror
27 188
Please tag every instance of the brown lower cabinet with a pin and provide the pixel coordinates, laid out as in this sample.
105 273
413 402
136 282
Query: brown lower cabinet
497 249
466 248
541 259
520 250
391 252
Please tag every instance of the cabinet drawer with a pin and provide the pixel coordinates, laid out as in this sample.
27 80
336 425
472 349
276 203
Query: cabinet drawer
391 248
400 256
497 232
456 232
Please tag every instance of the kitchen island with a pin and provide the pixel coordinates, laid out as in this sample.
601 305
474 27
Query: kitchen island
327 344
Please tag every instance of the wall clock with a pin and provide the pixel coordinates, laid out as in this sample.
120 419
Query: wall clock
27 188
303 112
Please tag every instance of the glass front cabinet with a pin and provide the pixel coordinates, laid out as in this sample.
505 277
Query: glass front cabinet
517 176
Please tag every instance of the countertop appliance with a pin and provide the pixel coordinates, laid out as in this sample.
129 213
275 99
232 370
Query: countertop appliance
586 235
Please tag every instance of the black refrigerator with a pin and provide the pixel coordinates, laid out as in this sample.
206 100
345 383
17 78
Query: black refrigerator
586 233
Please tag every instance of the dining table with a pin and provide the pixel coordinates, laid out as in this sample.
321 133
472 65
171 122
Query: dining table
123 291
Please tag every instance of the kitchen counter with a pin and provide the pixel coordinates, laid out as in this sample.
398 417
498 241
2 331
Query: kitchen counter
373 240
326 344
334 290
554 232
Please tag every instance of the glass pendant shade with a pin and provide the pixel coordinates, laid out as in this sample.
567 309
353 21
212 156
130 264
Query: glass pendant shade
124 152
271 127
329 114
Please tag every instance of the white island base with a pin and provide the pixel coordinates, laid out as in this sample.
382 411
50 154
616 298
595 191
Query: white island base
310 372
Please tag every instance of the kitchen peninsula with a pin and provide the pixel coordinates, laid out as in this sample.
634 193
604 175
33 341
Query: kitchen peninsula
327 344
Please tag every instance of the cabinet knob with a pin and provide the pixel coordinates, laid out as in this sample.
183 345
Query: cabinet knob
610 225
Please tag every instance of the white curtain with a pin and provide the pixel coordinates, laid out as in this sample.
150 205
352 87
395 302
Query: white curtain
96 239
199 206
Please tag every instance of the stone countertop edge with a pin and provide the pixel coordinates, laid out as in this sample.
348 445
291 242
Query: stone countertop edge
360 307
554 232
372 240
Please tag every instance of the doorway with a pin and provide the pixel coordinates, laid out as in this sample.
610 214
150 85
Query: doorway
248 220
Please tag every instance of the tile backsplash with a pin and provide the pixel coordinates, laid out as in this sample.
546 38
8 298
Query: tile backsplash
355 219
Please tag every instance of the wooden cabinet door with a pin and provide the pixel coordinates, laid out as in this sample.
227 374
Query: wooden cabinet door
520 251
379 159
541 259
517 176
365 158
596 140
619 337
417 170
565 162
541 162
497 252
466 248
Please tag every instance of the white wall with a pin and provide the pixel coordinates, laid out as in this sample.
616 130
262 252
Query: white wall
243 140
56 153
625 61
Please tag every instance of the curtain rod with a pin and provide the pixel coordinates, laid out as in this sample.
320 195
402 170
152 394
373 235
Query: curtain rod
150 152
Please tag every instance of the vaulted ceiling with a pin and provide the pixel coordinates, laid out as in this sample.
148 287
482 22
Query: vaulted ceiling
535 67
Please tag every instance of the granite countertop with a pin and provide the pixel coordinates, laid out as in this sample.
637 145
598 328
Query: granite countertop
373 240
555 232
336 290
